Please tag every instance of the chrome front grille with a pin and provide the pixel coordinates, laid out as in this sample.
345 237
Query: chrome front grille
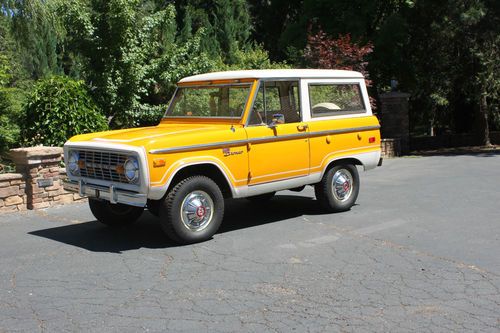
102 165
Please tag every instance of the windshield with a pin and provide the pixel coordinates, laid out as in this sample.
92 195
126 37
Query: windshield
211 101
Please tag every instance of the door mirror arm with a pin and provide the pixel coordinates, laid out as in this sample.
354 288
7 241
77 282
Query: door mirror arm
273 124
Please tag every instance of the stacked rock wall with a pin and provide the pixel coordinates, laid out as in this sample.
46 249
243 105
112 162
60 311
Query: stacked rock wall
12 192
38 182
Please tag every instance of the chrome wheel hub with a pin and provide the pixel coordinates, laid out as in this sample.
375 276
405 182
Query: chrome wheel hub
342 184
197 210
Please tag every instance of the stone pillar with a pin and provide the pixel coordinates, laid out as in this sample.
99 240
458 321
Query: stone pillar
394 118
40 165
390 148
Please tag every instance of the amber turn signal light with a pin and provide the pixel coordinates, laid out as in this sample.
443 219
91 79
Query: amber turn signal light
159 162
120 170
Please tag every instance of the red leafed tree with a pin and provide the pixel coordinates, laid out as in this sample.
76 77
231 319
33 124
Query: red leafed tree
323 51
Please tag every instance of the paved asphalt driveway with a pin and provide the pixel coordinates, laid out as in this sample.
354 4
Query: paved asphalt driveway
419 252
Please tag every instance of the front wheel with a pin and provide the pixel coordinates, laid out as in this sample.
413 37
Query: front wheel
192 211
114 214
338 189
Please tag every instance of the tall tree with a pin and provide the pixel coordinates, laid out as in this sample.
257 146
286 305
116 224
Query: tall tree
130 53
483 35
286 33
452 52
273 20
35 27
227 25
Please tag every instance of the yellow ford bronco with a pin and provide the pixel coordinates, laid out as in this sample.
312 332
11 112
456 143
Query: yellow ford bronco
238 134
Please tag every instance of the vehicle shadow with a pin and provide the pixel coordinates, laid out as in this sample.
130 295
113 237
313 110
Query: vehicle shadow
96 237
242 213
147 233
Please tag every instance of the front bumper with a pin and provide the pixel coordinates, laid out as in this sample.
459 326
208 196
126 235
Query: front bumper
111 193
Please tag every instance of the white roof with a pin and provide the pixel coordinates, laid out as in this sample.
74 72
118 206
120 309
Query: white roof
274 73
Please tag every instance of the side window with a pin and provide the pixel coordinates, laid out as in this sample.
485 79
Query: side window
278 101
335 99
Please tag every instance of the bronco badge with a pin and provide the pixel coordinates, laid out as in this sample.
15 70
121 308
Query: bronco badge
228 152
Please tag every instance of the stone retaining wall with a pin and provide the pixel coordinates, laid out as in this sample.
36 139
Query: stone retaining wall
38 182
12 192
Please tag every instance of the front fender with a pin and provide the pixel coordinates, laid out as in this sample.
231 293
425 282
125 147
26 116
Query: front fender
159 189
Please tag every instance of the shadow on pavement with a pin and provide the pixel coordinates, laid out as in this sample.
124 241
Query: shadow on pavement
96 237
147 233
242 213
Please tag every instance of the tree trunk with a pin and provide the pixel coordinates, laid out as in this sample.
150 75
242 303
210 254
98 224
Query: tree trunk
483 131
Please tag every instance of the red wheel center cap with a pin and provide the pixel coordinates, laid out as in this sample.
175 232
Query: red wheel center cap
201 211
346 186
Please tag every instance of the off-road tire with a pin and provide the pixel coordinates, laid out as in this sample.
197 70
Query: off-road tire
114 215
332 201
177 225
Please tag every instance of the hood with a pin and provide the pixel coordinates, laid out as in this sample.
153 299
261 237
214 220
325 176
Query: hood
162 136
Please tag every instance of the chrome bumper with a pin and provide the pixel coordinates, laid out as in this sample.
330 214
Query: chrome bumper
110 193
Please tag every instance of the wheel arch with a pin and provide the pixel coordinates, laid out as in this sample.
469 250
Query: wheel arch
209 169
341 160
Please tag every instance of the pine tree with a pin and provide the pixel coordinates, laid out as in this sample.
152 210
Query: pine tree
226 24
187 26
34 25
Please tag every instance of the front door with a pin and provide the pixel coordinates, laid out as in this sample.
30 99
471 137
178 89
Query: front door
278 139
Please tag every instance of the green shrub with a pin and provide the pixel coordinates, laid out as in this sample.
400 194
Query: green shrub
9 107
58 109
255 57
9 129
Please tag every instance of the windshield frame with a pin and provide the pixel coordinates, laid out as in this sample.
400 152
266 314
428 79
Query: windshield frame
209 84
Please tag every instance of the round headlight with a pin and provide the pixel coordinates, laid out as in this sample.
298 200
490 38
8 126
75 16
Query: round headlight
73 162
131 169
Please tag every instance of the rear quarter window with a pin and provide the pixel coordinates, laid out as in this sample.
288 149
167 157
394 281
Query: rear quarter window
332 99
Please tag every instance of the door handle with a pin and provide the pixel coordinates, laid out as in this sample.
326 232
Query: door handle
303 127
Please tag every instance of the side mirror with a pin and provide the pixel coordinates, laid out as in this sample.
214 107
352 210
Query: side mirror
278 118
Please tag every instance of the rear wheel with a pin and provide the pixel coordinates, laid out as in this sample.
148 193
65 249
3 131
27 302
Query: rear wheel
114 214
339 188
193 210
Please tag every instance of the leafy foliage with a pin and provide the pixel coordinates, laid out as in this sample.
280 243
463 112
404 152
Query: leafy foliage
254 58
226 24
9 128
58 109
340 53
10 108
452 53
35 26
131 55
